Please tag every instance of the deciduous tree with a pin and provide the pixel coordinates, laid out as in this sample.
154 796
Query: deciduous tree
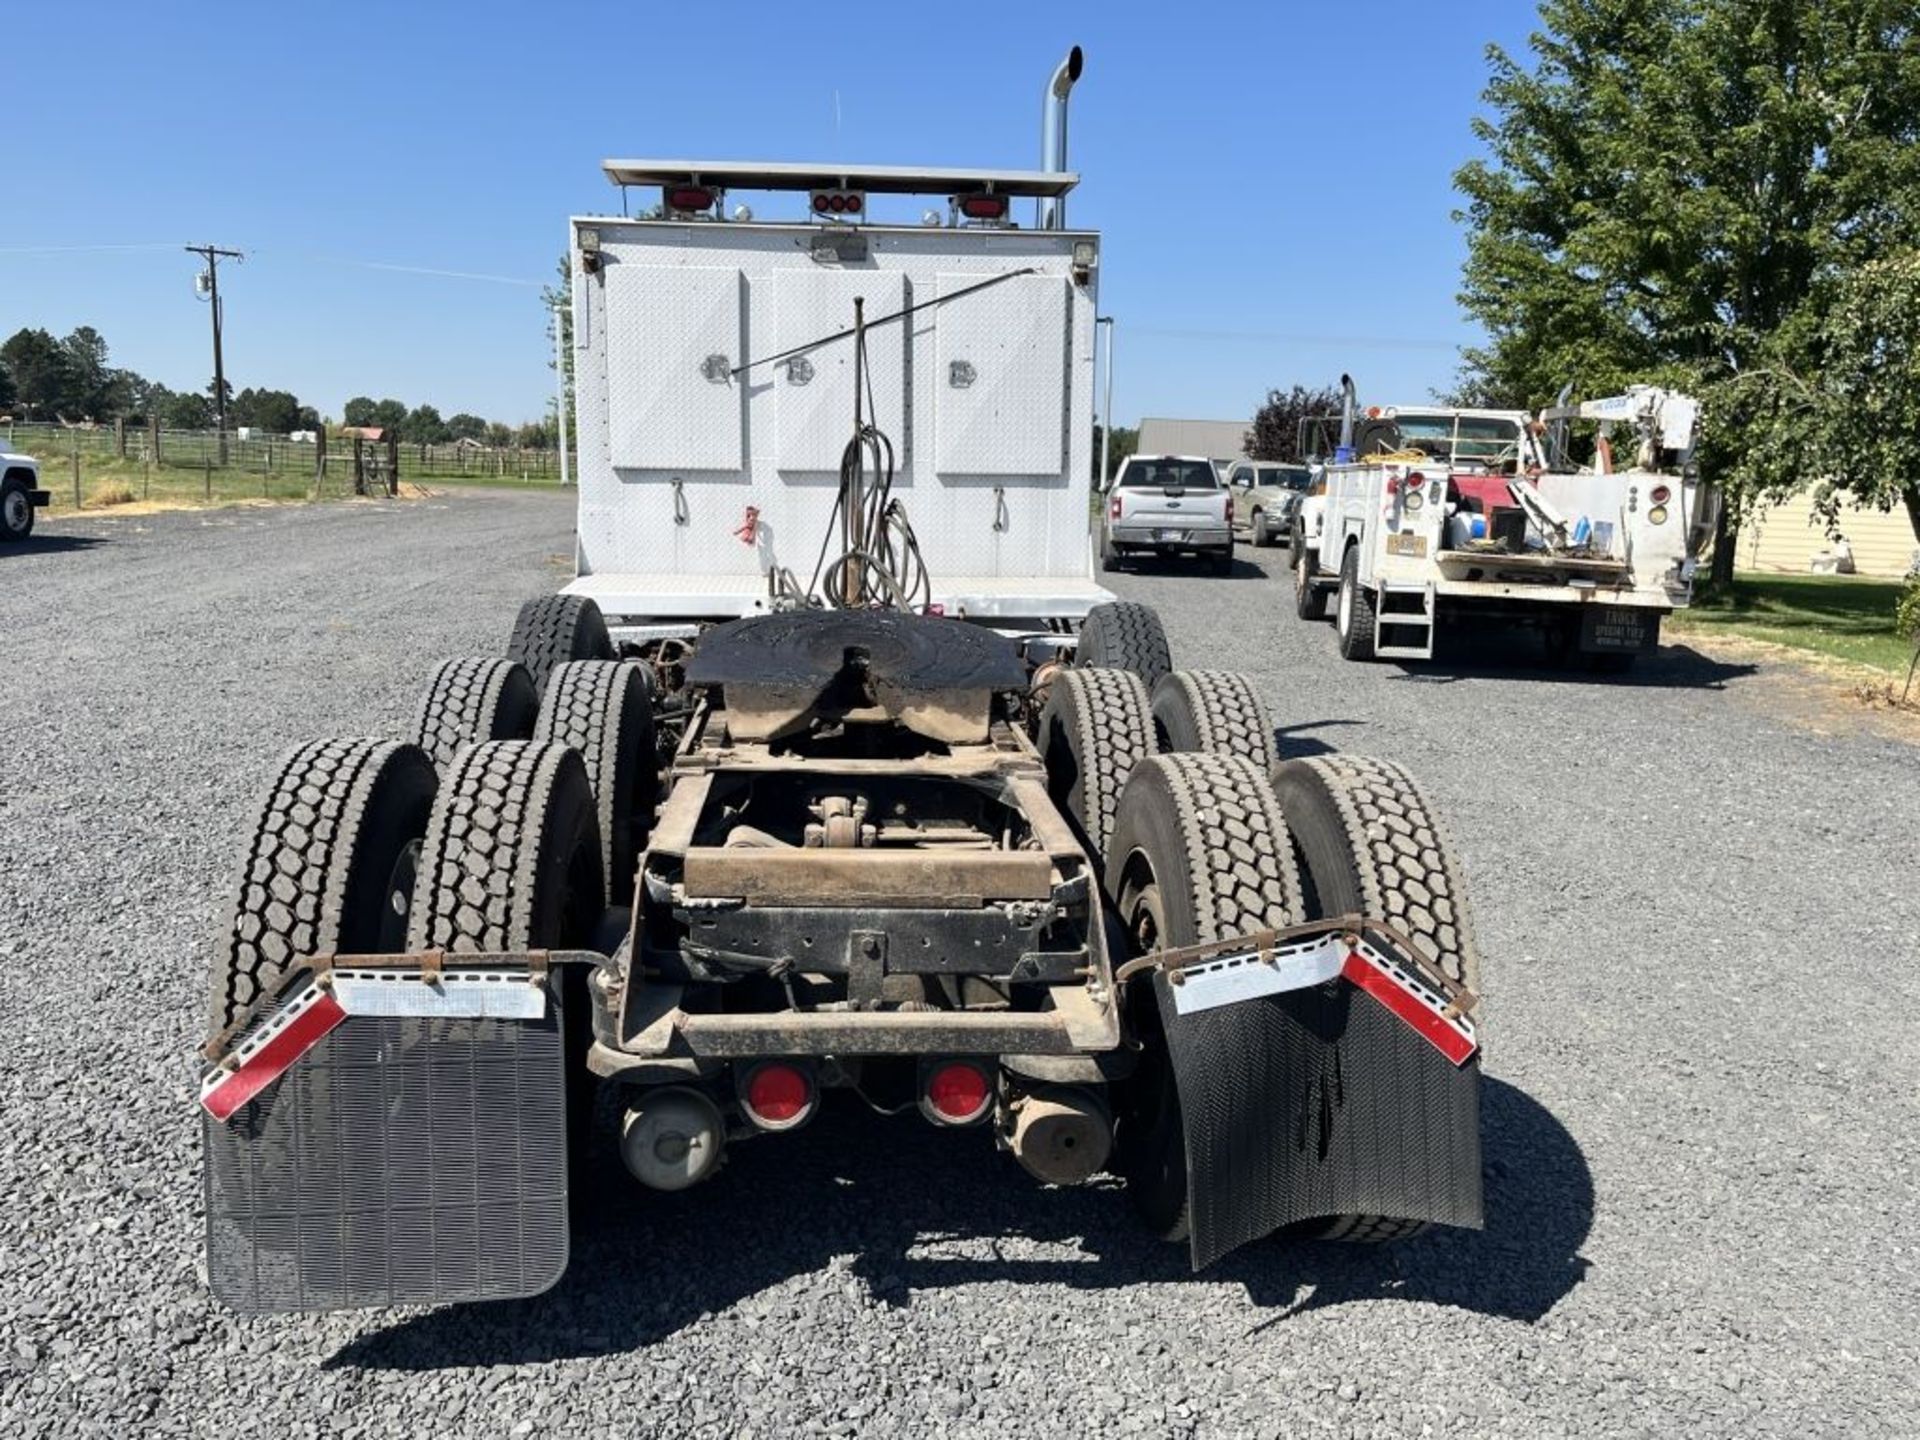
1276 425
1673 190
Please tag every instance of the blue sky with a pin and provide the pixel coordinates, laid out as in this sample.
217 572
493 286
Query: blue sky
1272 180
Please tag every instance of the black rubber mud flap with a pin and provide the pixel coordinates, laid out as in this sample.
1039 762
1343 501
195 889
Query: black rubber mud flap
1318 1103
400 1161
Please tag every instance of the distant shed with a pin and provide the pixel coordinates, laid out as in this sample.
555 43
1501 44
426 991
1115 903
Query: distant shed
1214 439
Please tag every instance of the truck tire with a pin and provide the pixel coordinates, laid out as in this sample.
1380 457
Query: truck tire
1124 635
16 508
1200 852
1356 617
1097 725
329 868
604 710
1309 600
1369 842
512 855
1216 710
474 699
554 628
1262 536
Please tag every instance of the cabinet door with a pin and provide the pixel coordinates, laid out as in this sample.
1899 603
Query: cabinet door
814 392
1001 380
673 335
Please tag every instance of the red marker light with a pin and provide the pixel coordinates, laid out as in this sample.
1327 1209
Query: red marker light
1660 494
777 1096
984 207
689 197
958 1093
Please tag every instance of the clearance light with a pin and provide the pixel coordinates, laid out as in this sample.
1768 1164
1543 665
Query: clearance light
838 202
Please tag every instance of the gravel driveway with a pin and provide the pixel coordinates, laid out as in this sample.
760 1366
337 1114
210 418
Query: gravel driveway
1699 923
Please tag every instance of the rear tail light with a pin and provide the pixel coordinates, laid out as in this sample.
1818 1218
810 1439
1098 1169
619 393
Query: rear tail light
955 1092
1416 480
1660 494
777 1095
1229 509
1113 508
984 207
689 197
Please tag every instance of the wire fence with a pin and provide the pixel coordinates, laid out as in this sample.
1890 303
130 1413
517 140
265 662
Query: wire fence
318 466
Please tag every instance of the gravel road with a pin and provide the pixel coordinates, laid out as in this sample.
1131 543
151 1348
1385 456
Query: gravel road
1698 918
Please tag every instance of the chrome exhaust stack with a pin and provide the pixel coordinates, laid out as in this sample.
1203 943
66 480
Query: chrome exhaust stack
1050 212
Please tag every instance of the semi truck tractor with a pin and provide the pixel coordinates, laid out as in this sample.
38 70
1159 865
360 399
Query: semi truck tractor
832 777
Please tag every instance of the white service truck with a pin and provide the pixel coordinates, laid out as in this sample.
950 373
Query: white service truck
1429 519
20 494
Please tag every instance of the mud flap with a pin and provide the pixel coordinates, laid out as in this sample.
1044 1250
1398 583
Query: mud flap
1314 1103
399 1159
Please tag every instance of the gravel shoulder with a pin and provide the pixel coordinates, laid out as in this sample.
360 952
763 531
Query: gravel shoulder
1698 926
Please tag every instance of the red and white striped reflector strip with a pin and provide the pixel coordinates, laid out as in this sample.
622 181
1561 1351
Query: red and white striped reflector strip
308 1018
1229 979
1411 1002
311 1014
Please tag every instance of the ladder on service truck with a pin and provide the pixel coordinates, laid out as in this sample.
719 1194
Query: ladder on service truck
1405 624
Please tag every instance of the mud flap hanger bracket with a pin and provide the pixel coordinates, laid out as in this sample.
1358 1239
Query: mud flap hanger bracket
1371 954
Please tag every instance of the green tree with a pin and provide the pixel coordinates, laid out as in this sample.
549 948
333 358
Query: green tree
357 411
6 387
277 412
467 427
186 410
390 414
1126 440
1866 408
1672 191
1276 425
423 426
43 376
499 436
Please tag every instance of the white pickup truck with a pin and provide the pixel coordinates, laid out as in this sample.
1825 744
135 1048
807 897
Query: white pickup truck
1167 505
20 494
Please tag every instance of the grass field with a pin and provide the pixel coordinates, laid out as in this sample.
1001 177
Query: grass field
108 484
1842 616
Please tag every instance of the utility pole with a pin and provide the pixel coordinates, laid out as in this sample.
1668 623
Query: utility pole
560 382
213 255
1106 430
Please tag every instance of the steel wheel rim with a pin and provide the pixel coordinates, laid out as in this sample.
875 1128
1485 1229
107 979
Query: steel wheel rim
16 510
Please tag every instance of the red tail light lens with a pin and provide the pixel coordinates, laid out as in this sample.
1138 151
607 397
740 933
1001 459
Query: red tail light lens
853 204
1416 480
1113 508
689 197
957 1092
1660 494
1229 509
777 1096
820 204
984 207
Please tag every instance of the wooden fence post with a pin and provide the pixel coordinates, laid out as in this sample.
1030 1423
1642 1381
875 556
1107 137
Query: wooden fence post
153 437
74 435
120 437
